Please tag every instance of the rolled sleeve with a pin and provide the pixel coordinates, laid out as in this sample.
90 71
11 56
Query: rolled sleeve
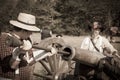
106 43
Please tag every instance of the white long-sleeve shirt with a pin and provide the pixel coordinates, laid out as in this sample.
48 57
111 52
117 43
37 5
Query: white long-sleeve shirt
99 41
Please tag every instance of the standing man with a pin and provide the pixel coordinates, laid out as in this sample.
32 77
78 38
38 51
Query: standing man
13 66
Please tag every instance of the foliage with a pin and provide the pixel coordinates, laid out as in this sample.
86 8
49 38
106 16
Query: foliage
71 17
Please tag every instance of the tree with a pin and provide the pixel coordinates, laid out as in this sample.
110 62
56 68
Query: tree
64 16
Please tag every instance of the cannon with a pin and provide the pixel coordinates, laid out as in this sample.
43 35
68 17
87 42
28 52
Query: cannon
93 65
85 57
60 66
89 65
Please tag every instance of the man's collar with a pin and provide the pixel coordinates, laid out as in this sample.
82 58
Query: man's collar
97 37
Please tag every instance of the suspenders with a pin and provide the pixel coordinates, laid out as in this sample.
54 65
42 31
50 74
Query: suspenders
94 45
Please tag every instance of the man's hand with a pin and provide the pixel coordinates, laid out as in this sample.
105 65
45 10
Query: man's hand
18 54
26 45
15 54
15 60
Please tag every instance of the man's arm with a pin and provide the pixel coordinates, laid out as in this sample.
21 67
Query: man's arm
19 52
107 44
16 57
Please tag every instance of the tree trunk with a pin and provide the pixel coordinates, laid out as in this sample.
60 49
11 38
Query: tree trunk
109 18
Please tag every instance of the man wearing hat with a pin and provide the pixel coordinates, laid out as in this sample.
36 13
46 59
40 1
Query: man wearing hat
15 48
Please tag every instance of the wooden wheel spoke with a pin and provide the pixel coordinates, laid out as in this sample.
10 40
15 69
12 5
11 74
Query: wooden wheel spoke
46 67
50 61
54 66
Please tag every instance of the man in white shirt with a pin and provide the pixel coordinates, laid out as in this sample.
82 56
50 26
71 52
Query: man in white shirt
96 42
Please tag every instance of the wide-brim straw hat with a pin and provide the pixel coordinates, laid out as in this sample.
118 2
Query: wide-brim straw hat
25 21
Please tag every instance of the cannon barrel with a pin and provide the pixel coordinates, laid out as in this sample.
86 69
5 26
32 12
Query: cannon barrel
83 56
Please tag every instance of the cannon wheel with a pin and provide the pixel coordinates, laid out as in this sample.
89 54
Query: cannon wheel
55 66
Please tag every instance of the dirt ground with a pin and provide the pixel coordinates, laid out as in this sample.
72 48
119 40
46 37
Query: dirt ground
74 41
